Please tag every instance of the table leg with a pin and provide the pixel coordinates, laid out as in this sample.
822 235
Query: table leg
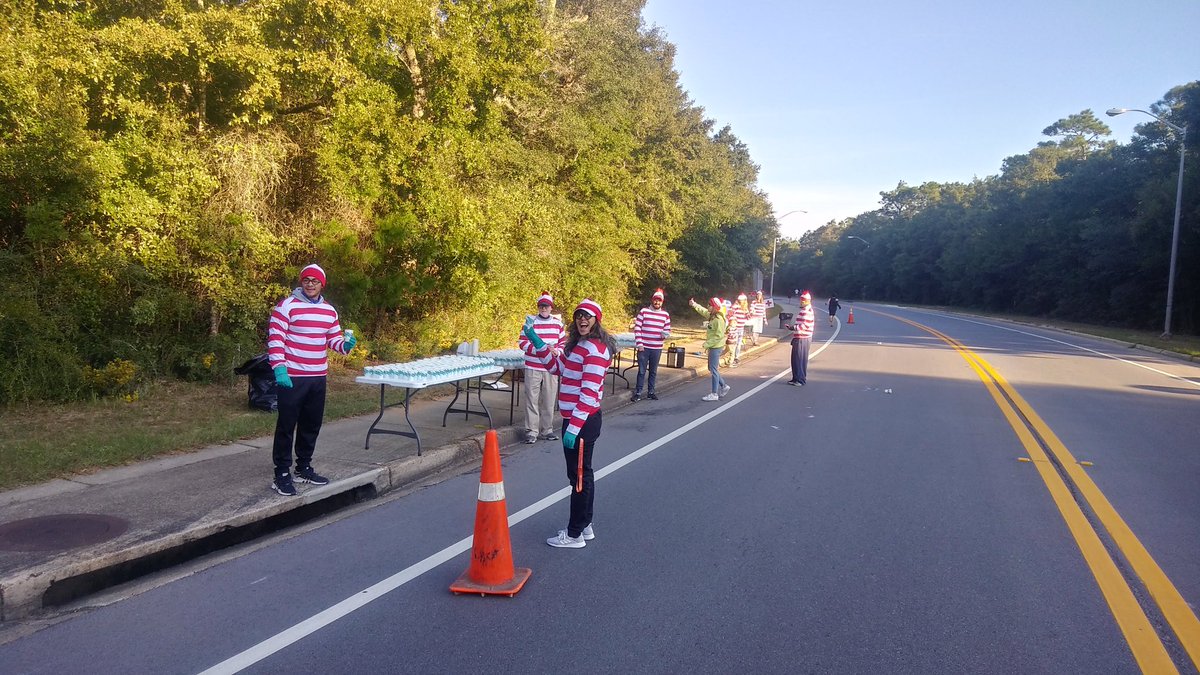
378 417
513 396
412 433
467 412
479 397
407 396
615 370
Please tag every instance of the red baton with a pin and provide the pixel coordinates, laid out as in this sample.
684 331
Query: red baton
579 470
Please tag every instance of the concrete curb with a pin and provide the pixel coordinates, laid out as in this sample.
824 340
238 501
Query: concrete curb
33 589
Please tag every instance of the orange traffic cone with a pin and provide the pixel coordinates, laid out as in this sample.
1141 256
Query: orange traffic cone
850 318
491 569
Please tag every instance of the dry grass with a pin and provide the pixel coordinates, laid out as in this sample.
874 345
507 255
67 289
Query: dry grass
51 441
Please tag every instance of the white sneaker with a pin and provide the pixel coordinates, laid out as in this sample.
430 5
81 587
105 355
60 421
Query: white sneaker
710 397
562 540
588 534
725 389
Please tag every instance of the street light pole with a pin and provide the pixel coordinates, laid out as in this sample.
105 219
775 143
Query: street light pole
772 290
1182 131
851 236
773 244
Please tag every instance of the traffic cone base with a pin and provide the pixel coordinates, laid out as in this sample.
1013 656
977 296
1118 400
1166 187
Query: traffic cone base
464 584
491 570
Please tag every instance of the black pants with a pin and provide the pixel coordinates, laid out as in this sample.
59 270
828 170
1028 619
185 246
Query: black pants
581 502
301 409
800 359
647 360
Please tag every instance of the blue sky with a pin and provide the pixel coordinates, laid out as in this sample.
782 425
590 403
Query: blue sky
842 99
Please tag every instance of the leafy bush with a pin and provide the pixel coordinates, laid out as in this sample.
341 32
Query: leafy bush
117 379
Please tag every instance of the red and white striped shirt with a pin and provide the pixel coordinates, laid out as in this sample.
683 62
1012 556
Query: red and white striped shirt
300 332
550 331
737 320
758 310
651 327
803 327
582 385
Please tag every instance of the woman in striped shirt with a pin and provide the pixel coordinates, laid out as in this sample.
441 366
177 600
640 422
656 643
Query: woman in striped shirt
581 365
758 316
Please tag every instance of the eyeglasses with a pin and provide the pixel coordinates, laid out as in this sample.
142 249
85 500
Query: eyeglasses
310 281
583 315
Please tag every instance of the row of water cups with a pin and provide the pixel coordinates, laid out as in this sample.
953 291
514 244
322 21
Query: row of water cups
506 358
432 368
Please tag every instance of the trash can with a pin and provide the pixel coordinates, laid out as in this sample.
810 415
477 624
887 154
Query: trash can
675 356
261 390
784 318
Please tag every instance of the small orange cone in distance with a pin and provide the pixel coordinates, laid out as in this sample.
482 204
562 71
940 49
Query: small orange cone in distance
850 318
491 570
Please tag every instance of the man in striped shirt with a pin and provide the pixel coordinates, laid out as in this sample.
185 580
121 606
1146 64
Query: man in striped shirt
541 386
802 332
303 326
651 328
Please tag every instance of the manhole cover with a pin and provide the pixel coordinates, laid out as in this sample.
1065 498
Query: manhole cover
60 532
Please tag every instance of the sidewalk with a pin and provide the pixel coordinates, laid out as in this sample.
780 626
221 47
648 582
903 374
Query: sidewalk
62 540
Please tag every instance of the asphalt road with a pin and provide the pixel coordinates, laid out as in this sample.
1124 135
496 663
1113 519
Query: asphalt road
879 520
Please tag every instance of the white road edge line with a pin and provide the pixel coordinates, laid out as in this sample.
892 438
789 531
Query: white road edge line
1061 342
290 636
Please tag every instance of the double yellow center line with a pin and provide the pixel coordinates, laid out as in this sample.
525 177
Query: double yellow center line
1036 437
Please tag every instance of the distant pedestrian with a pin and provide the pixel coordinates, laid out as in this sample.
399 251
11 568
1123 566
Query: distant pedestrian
303 327
802 332
541 386
758 317
834 306
651 328
582 363
714 342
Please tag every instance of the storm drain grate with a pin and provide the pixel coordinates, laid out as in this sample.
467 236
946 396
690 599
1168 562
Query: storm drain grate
60 532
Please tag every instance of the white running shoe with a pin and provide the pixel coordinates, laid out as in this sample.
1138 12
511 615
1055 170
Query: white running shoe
588 534
563 540
710 397
725 389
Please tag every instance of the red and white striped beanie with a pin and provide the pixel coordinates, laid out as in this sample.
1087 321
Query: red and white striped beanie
313 270
545 299
591 307
658 295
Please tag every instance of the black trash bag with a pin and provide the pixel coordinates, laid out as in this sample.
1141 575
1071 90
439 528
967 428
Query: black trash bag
784 318
261 391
